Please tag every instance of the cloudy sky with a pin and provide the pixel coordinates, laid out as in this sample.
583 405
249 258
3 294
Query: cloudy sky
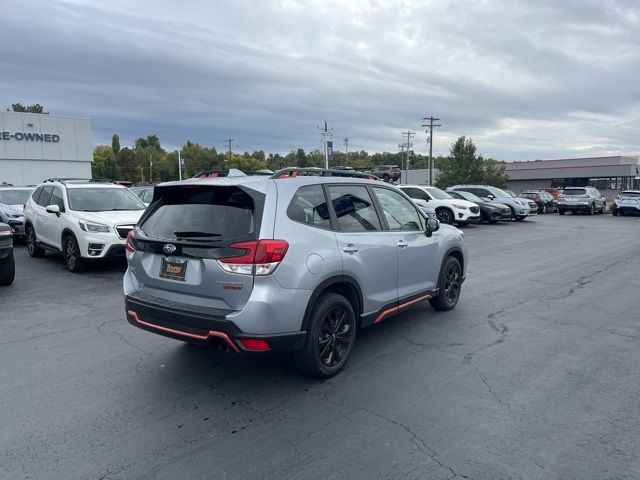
525 80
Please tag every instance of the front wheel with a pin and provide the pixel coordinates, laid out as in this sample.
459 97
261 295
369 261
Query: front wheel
614 212
330 338
7 270
544 209
445 216
72 256
449 285
520 219
560 211
591 210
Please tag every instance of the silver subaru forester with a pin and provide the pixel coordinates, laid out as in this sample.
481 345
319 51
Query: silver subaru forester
293 262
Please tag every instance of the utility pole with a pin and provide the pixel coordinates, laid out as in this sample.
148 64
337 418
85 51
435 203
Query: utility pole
150 169
430 125
179 166
409 135
229 143
345 140
327 135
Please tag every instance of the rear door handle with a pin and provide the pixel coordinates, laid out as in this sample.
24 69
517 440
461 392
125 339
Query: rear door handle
402 244
350 248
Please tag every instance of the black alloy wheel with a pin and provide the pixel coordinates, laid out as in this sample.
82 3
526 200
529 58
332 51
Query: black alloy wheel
32 245
330 337
72 255
444 216
449 285
335 336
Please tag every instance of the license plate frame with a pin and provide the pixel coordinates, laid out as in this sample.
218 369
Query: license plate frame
173 269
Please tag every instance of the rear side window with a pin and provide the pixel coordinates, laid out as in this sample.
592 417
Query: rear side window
309 206
416 193
36 194
206 214
354 209
45 197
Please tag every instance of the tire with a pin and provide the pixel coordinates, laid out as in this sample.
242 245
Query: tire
32 247
493 222
544 209
72 255
462 224
614 212
560 211
449 285
445 215
7 270
520 219
604 207
332 326
591 210
513 212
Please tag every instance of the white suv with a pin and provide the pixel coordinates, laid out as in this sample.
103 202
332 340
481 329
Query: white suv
448 209
82 219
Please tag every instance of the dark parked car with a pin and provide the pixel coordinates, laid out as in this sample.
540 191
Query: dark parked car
388 173
491 212
555 192
7 263
544 200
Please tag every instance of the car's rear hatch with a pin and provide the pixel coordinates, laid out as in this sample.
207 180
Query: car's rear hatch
184 233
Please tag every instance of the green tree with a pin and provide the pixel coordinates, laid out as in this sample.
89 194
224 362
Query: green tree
35 108
126 161
104 163
463 165
301 159
115 144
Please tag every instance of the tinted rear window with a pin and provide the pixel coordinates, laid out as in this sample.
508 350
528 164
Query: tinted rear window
204 214
630 194
574 191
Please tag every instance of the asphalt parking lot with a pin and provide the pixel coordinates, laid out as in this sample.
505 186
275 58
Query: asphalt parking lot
535 375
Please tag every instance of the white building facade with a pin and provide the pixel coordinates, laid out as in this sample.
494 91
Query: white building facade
35 147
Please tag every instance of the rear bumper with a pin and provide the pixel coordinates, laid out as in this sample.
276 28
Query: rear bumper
205 326
574 206
627 209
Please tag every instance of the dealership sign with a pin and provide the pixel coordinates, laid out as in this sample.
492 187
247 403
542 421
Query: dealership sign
30 137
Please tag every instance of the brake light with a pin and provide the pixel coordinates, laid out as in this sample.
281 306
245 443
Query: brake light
129 246
255 344
260 257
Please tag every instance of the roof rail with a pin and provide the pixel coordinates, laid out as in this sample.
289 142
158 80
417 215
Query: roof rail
231 172
88 180
321 172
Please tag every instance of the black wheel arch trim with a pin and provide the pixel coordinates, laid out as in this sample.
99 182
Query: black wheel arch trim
320 289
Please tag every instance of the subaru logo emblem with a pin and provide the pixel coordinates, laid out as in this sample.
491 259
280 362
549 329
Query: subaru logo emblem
169 248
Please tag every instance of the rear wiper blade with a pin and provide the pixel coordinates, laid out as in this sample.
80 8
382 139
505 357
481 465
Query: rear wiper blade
195 234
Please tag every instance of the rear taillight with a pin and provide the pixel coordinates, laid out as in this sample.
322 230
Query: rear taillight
260 257
129 244
619 197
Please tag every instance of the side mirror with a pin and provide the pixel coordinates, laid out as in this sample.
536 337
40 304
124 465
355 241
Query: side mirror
53 209
490 197
433 225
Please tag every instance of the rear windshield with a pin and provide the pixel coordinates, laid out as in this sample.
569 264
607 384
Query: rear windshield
14 197
203 214
630 194
529 195
574 191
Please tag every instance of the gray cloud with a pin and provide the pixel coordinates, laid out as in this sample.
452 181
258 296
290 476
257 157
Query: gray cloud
525 80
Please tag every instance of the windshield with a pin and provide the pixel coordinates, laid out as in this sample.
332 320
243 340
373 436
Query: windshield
467 196
437 193
497 192
103 199
14 197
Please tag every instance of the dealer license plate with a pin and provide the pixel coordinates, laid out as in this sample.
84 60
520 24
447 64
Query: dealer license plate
174 269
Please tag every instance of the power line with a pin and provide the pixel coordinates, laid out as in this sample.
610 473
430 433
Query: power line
430 125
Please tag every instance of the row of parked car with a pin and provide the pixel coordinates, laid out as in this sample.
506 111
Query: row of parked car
296 261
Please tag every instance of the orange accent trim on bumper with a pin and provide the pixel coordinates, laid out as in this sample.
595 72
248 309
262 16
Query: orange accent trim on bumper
212 333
